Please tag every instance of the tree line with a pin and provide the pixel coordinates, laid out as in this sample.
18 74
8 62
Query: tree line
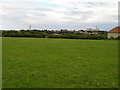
53 34
79 36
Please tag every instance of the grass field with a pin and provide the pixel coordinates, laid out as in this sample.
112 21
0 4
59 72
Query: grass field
59 63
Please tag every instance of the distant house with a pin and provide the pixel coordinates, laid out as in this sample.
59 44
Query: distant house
46 36
94 32
86 33
114 33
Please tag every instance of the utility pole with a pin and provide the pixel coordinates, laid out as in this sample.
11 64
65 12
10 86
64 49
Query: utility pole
97 29
30 27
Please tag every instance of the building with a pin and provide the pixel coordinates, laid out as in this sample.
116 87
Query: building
94 32
114 33
92 29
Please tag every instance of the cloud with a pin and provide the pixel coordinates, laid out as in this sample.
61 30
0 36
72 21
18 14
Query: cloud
77 12
58 13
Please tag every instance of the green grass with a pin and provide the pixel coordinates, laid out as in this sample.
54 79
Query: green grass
59 63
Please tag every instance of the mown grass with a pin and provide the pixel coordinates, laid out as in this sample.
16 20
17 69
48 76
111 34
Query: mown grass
59 63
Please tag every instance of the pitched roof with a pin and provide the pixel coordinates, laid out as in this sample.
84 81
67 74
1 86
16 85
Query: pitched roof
116 29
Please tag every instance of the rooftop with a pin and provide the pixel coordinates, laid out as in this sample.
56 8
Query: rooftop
116 29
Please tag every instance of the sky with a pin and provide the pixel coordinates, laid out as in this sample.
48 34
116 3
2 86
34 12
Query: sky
58 14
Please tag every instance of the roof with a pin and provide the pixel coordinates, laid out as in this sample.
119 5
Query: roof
94 32
116 29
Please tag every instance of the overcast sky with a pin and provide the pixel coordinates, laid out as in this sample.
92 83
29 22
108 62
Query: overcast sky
58 14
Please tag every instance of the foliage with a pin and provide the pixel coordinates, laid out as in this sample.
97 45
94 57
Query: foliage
23 33
80 36
51 34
